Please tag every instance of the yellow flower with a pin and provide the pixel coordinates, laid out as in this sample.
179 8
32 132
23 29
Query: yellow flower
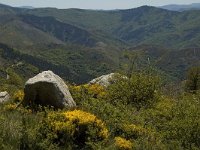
96 90
84 118
77 88
77 124
18 96
10 107
122 143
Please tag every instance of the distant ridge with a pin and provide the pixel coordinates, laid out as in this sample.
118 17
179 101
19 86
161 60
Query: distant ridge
175 7
27 7
4 5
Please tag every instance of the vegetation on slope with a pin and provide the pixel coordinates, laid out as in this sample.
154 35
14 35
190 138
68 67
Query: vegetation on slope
101 122
46 39
143 25
75 65
139 112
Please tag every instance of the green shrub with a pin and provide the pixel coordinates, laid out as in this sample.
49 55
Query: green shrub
20 128
132 131
14 78
193 80
139 91
177 122
185 124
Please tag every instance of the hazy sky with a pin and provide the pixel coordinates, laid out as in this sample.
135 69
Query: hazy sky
94 4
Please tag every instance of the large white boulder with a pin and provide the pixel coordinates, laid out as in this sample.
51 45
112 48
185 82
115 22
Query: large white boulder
48 89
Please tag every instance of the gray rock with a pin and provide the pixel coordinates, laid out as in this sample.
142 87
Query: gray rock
4 97
48 89
104 80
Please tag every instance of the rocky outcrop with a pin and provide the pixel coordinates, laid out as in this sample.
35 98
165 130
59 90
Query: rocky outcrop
48 89
104 80
4 97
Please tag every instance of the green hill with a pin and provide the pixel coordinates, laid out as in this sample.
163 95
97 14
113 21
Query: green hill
82 44
143 25
172 61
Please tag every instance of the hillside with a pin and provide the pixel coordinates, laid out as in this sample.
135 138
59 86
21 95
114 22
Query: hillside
143 25
73 63
172 61
82 44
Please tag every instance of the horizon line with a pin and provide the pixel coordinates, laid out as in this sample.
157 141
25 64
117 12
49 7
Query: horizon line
32 7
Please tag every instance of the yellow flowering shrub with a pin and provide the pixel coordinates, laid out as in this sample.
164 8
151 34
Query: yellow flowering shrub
76 87
78 126
14 106
122 143
84 118
10 107
18 96
94 90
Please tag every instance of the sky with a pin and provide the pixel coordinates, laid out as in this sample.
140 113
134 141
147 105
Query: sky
94 4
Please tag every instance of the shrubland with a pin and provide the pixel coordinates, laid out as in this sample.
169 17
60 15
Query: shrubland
132 113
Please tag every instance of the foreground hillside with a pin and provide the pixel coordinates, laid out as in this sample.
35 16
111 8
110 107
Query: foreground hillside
133 113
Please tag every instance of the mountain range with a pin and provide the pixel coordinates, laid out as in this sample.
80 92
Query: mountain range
82 44
174 7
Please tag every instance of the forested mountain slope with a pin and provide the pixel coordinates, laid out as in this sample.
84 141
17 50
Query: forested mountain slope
82 44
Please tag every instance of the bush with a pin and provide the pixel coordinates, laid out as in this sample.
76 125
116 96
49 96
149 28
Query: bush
123 144
18 96
185 124
14 78
160 114
139 90
86 91
133 131
193 80
176 121
76 127
10 127
113 115
19 128
10 107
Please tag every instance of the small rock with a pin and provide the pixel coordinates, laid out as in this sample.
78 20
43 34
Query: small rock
48 89
4 97
104 80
